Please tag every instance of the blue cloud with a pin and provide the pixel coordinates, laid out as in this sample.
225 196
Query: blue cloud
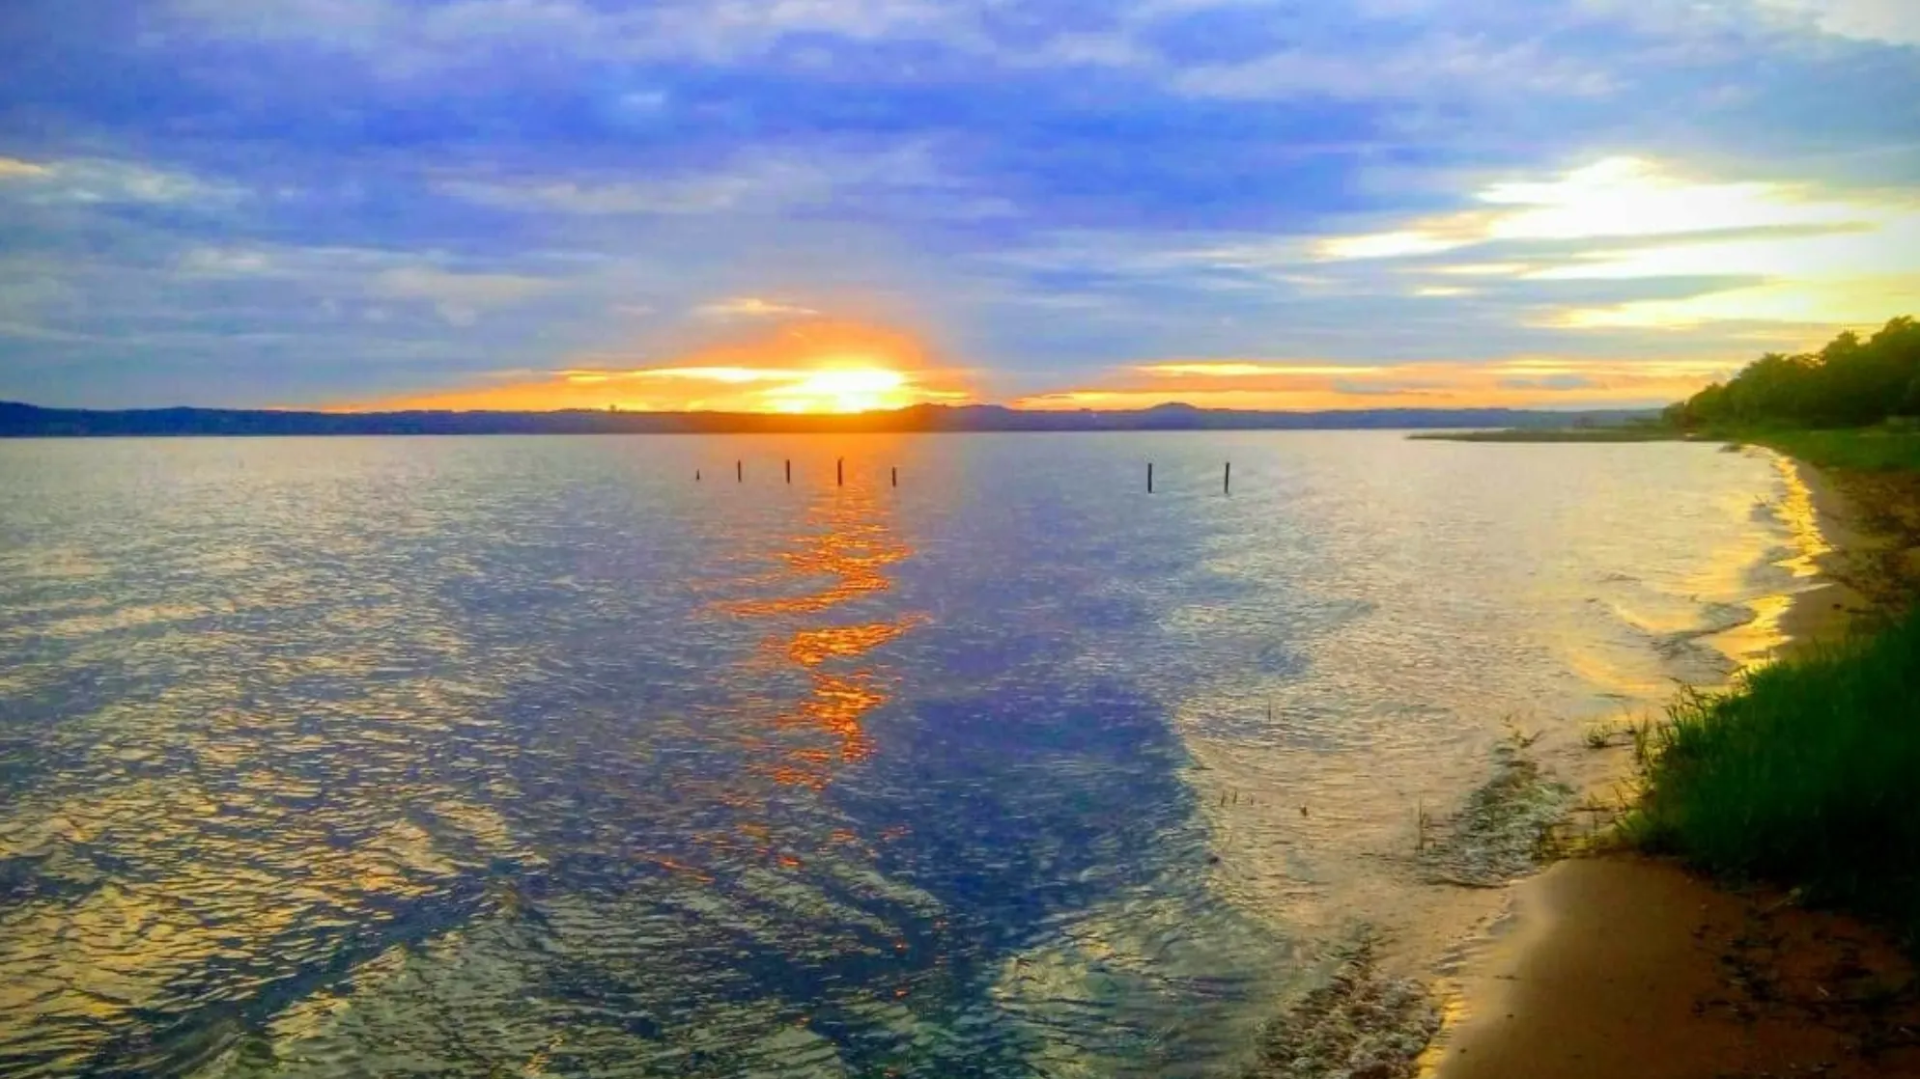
238 201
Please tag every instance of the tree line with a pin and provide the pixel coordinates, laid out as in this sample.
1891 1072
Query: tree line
1848 383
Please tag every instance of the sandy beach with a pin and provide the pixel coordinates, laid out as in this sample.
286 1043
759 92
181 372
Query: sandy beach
1619 965
1623 966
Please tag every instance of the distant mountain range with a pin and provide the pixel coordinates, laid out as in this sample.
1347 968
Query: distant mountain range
30 421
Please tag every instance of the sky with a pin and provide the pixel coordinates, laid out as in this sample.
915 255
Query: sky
808 205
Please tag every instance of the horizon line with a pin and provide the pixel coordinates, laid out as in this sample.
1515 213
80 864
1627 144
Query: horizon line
294 410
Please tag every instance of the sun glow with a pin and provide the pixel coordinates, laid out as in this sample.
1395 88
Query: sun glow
1827 257
853 389
818 366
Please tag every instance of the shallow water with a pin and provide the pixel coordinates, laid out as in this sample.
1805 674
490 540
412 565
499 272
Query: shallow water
536 756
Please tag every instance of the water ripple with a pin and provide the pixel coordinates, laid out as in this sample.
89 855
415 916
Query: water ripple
528 756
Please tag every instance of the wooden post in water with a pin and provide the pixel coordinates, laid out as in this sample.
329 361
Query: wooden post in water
696 475
789 471
1226 480
840 472
1149 477
896 475
739 476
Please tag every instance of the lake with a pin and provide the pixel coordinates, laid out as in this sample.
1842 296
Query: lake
523 756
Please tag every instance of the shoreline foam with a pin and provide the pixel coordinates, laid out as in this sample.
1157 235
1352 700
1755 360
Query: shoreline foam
1621 965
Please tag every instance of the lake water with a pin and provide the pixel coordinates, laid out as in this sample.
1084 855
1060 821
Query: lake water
508 756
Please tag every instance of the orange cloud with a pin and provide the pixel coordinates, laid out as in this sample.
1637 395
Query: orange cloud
1249 369
1536 382
835 365
819 365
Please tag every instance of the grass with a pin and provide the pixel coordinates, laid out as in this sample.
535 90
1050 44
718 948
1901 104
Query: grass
1868 449
1806 775
1856 449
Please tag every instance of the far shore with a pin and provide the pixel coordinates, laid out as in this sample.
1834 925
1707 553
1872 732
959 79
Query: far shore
1627 433
1625 966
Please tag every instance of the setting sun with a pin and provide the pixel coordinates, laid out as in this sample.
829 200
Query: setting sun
855 389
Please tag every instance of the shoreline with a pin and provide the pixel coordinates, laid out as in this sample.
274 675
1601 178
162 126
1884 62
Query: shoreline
1625 965
1829 526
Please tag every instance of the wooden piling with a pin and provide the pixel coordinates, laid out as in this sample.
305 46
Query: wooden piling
1226 480
1149 477
895 472
840 472
739 474
789 471
696 475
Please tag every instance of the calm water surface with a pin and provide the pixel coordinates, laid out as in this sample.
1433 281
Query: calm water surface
533 756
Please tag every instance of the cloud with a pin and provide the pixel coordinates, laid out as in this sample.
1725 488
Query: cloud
852 177
1846 300
1430 240
400 40
225 262
460 298
748 307
1616 198
1893 21
102 181
1440 64
824 365
14 168
31 332
1480 269
1053 190
1621 243
1549 382
1631 197
686 196
1825 257
1288 384
1246 369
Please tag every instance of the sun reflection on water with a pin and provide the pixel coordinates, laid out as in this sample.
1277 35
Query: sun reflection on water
839 553
1796 510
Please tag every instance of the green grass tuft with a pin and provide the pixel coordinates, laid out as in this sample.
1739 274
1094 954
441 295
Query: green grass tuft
1873 449
1807 774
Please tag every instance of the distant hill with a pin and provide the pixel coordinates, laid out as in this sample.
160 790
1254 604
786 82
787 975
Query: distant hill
30 421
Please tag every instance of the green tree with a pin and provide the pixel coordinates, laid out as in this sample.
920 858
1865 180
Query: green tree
1849 382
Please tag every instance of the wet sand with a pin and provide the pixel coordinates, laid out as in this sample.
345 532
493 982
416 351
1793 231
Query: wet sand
1622 966
1833 529
1628 968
